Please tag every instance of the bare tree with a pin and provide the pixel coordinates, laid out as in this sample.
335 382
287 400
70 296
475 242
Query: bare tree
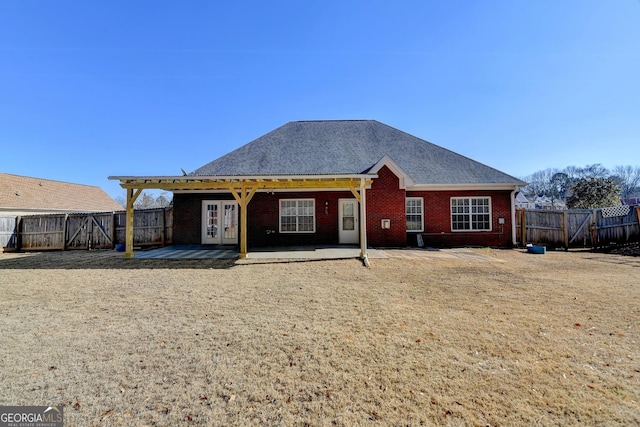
560 183
594 171
147 200
627 178
122 201
539 182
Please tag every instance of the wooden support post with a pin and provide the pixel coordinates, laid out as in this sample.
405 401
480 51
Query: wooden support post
132 195
363 223
243 200
243 223
243 232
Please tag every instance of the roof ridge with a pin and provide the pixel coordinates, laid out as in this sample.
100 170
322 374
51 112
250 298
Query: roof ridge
47 179
334 120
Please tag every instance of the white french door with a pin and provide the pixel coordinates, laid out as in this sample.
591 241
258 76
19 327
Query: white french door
348 228
219 222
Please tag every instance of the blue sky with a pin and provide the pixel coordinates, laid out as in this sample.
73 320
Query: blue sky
91 89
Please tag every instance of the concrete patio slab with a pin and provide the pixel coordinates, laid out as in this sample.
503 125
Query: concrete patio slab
310 253
188 252
314 253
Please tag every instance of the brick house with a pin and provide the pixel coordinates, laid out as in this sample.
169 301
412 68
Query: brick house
339 182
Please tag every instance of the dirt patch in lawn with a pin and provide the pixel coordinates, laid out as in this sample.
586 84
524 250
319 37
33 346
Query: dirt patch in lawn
548 339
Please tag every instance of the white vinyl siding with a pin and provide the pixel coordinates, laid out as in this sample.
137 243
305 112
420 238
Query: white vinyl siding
415 214
471 214
297 216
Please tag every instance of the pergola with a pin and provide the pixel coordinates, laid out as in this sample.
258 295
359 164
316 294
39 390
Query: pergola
243 188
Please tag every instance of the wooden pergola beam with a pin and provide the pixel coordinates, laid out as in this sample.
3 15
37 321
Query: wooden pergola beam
258 185
243 189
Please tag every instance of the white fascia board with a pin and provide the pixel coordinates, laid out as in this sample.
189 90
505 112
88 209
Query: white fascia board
461 187
405 180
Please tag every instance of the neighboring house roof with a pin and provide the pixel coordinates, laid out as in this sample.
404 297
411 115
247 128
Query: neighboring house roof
335 147
520 197
26 194
521 201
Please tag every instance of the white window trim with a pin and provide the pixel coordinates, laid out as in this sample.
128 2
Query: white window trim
313 201
421 213
471 230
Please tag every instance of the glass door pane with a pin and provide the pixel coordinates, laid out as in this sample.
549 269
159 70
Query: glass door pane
212 221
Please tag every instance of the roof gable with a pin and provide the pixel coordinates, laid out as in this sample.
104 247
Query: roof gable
351 147
27 193
405 180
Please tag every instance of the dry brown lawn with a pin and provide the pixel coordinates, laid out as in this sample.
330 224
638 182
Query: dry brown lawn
521 340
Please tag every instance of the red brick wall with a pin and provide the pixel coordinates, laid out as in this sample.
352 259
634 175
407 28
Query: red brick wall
263 215
264 221
385 200
437 219
187 216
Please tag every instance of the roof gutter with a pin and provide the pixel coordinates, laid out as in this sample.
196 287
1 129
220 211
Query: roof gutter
463 187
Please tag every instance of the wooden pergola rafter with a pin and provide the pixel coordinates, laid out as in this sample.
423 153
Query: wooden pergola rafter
243 189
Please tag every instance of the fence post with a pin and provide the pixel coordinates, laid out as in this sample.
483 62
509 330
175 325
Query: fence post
112 234
523 227
64 232
164 226
565 227
18 234
594 228
89 230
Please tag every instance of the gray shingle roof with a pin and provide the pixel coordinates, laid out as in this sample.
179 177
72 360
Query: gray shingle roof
336 147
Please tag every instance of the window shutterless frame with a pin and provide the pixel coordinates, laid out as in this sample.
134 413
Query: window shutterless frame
297 216
414 211
470 214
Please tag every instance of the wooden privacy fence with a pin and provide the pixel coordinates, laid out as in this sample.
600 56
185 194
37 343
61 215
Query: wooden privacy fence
7 231
85 230
578 227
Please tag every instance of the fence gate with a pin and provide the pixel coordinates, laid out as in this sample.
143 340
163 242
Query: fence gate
91 231
579 228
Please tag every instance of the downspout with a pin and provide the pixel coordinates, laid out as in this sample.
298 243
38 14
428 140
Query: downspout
513 217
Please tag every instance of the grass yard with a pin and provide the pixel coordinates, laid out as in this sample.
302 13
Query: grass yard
517 339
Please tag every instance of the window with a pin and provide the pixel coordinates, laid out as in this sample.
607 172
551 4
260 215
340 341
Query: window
297 216
471 214
414 212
